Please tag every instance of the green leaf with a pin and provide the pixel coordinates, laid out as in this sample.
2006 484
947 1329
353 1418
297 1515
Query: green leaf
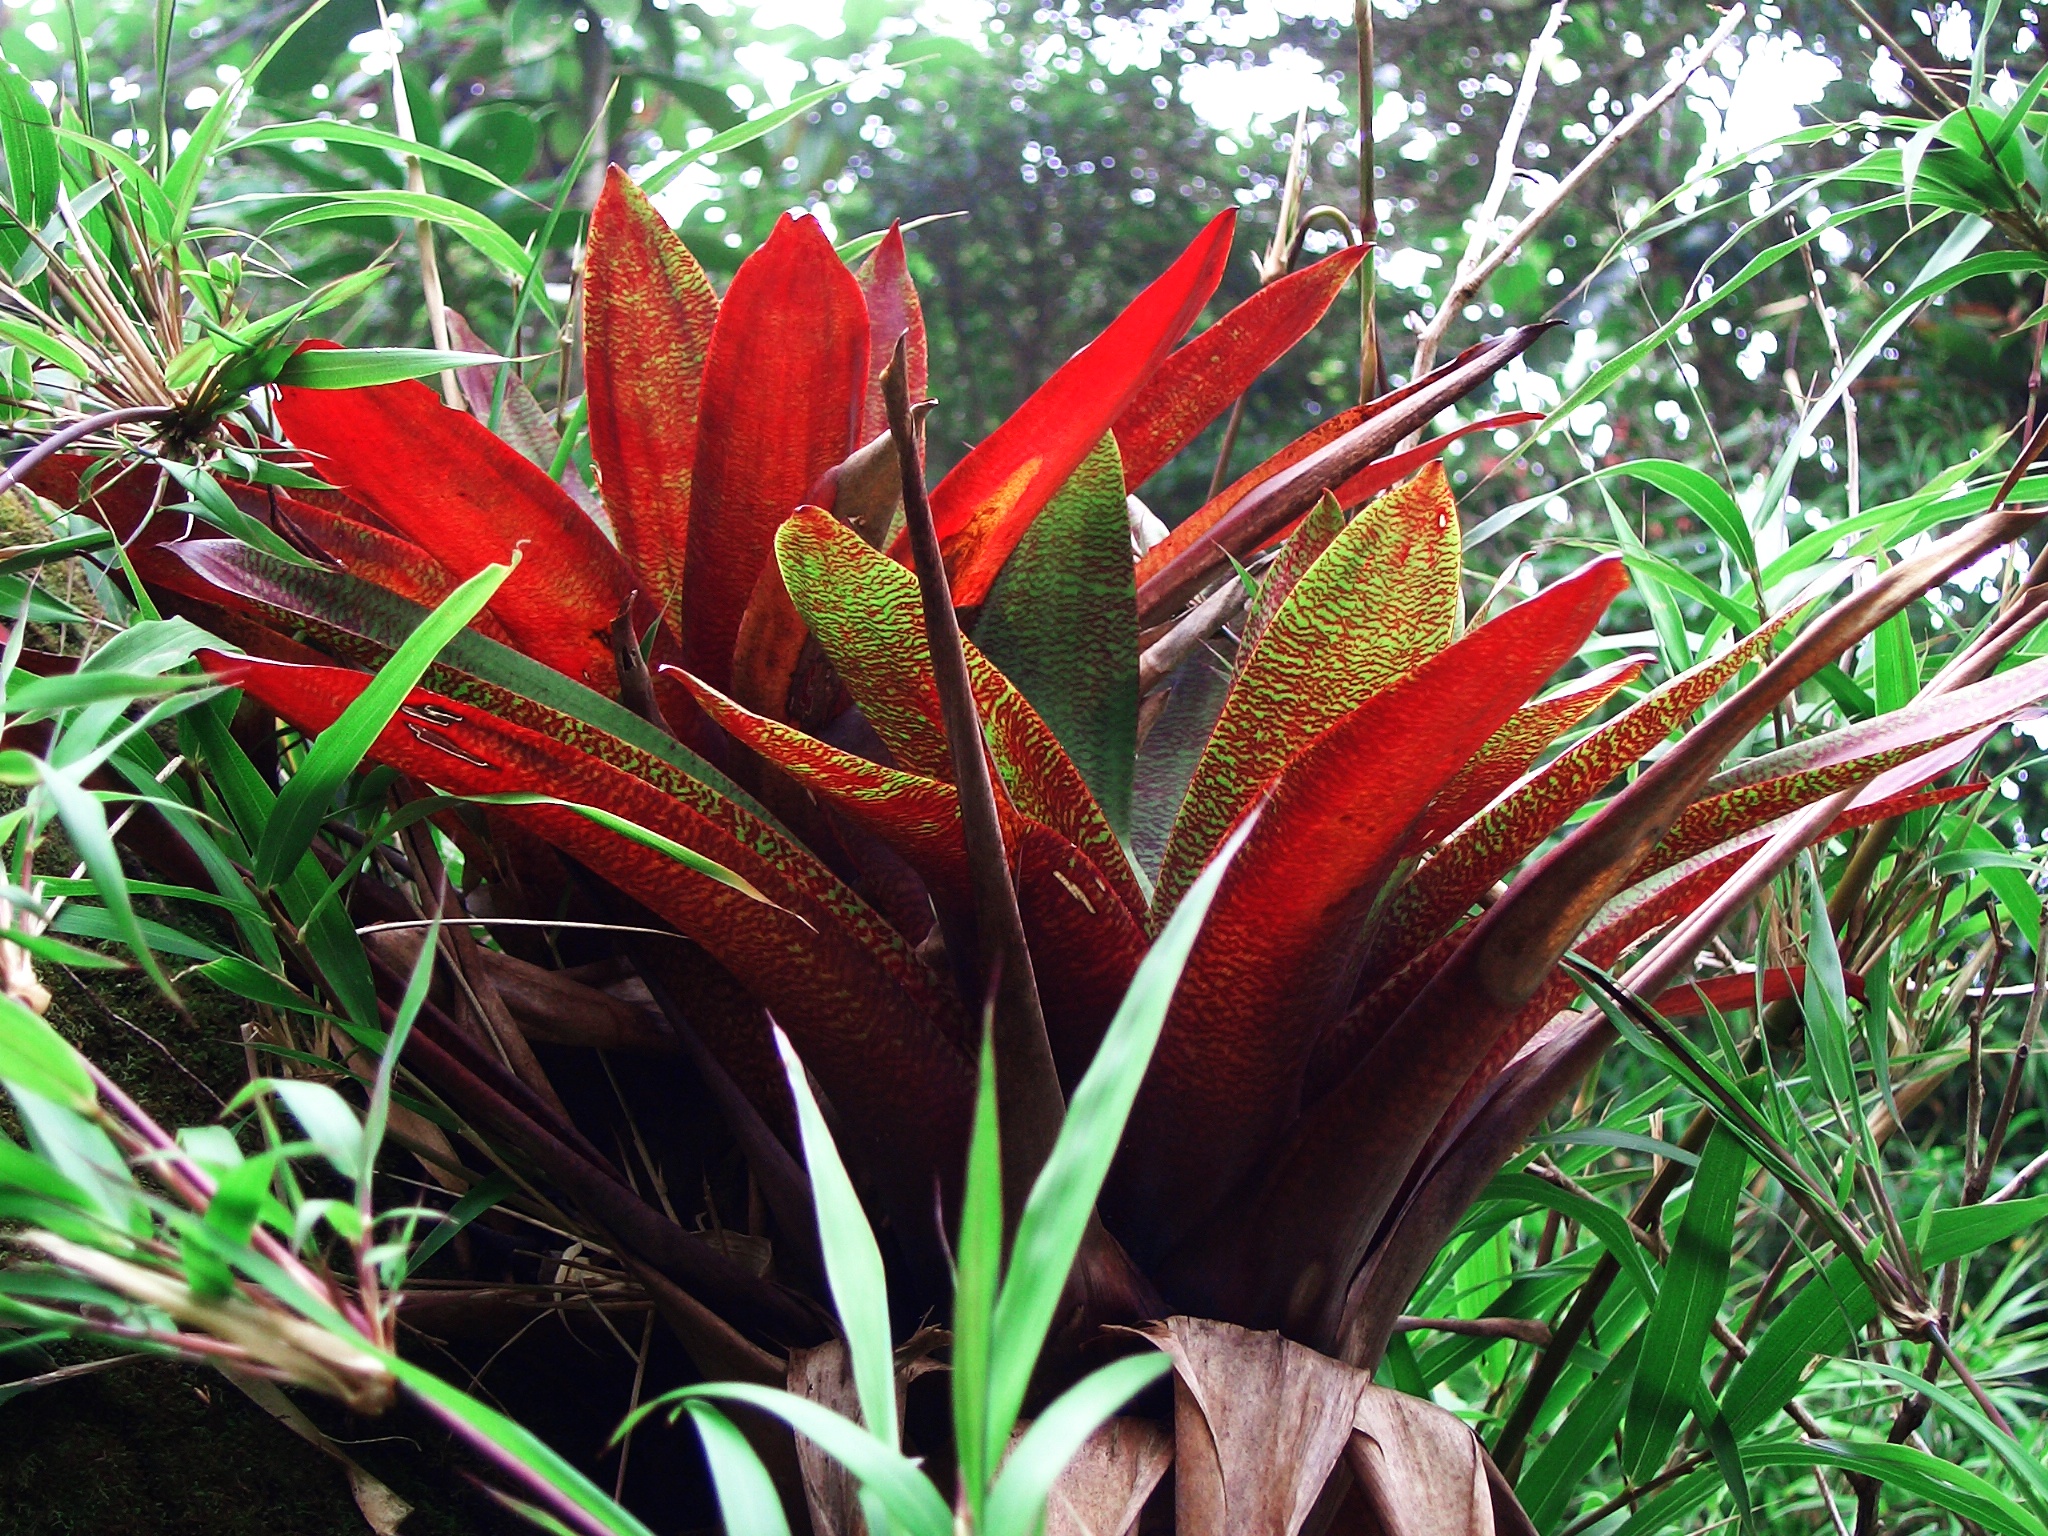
360 367
231 1215
1056 1215
85 823
341 747
246 979
47 345
325 1117
978 1274
534 1457
1702 495
1016 1505
1910 1470
334 131
69 690
747 1500
1605 1223
481 1198
1667 1382
890 1478
1061 623
475 228
645 836
57 952
853 1264
34 1056
2032 1476
1581 1438
733 138
1827 1003
1898 664
34 173
214 504
1960 1231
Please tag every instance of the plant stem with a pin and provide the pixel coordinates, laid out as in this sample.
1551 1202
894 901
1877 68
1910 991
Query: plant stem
1031 1104
1368 219
64 437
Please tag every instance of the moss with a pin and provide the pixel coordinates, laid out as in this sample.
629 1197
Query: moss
154 1448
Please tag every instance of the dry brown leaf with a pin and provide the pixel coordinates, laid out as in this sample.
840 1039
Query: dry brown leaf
1259 1422
1104 1488
1421 1472
1259 1425
825 1376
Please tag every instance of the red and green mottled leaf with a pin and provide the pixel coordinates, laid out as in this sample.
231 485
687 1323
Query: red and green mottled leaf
865 611
383 559
442 481
1518 744
832 973
893 311
363 624
1061 623
1767 787
1273 965
1272 498
1479 854
648 312
1085 943
1382 473
783 384
983 507
1304 546
1737 994
1381 600
1199 381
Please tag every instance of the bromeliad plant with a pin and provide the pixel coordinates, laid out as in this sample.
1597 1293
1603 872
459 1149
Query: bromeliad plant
740 735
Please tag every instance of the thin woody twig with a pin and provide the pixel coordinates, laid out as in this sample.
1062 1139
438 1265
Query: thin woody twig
1469 283
1369 362
1031 1103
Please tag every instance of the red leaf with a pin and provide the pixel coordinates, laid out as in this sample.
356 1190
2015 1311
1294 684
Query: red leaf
648 312
862 1010
1736 994
1199 382
893 311
1272 498
783 386
982 508
1274 962
444 482
1517 744
1481 853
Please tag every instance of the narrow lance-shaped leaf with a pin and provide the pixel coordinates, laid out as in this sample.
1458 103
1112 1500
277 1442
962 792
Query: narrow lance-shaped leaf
853 1264
1056 1214
1200 380
306 797
783 380
648 313
1667 1381
983 506
1061 623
